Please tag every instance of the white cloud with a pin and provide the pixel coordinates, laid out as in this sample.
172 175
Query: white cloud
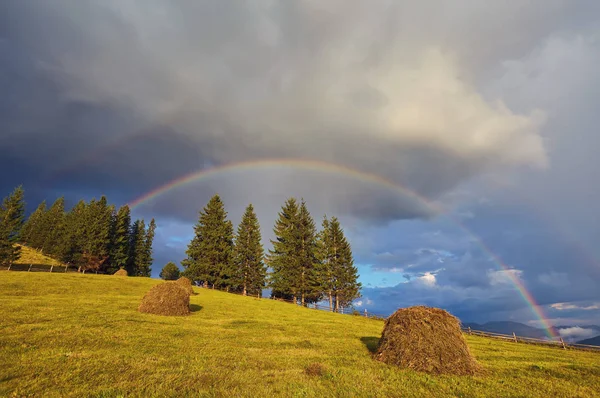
577 333
570 306
504 277
428 279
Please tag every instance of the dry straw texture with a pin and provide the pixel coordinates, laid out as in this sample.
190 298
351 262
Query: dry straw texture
121 272
426 339
168 298
186 283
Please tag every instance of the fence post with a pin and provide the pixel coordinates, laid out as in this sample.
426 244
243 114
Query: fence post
563 343
515 337
29 268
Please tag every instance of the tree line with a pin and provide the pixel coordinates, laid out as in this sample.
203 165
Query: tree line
90 236
305 265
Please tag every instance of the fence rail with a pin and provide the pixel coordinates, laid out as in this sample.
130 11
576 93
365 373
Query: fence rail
530 340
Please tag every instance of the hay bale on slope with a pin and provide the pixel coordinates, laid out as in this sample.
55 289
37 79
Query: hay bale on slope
121 272
168 298
185 283
426 339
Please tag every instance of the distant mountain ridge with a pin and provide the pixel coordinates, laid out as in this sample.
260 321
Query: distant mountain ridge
508 327
591 341
520 329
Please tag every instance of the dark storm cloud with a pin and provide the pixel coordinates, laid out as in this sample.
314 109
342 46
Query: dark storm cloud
143 95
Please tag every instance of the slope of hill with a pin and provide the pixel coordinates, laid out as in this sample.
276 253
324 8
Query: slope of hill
80 335
37 259
590 341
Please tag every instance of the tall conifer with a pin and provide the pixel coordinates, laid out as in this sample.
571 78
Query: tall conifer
33 226
12 215
121 239
210 253
282 258
249 267
337 275
306 282
55 225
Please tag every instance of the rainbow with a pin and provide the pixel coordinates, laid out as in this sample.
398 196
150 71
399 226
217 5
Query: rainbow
321 166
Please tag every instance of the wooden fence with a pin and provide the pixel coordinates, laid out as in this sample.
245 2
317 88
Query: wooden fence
518 339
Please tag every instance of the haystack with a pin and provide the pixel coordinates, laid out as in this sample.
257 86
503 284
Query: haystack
168 298
121 272
186 283
426 339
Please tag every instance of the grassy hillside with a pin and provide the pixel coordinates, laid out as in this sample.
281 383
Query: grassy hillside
37 259
80 335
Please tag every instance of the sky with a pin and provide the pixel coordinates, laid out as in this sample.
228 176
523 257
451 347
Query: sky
457 140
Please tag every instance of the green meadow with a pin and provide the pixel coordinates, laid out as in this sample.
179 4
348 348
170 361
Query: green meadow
81 335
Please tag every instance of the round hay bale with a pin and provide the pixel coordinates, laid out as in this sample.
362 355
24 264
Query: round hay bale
168 298
121 272
186 283
426 339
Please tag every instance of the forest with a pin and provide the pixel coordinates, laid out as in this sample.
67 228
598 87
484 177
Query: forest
304 265
91 236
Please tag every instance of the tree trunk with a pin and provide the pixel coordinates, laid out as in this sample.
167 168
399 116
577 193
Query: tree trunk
244 293
337 306
330 301
302 299
294 299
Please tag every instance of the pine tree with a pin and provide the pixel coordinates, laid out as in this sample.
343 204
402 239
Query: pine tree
121 239
71 247
307 283
12 214
282 258
209 254
137 249
170 272
249 267
326 259
54 222
145 268
32 227
337 275
348 287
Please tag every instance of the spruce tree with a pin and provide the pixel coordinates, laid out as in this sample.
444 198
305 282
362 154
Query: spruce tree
209 254
307 283
249 267
146 260
72 245
32 227
121 239
12 215
55 225
348 287
337 275
170 272
282 258
325 256
137 249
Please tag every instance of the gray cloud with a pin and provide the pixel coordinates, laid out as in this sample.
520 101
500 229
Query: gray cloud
239 82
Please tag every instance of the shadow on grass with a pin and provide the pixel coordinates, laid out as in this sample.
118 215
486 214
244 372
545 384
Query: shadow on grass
195 307
371 343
